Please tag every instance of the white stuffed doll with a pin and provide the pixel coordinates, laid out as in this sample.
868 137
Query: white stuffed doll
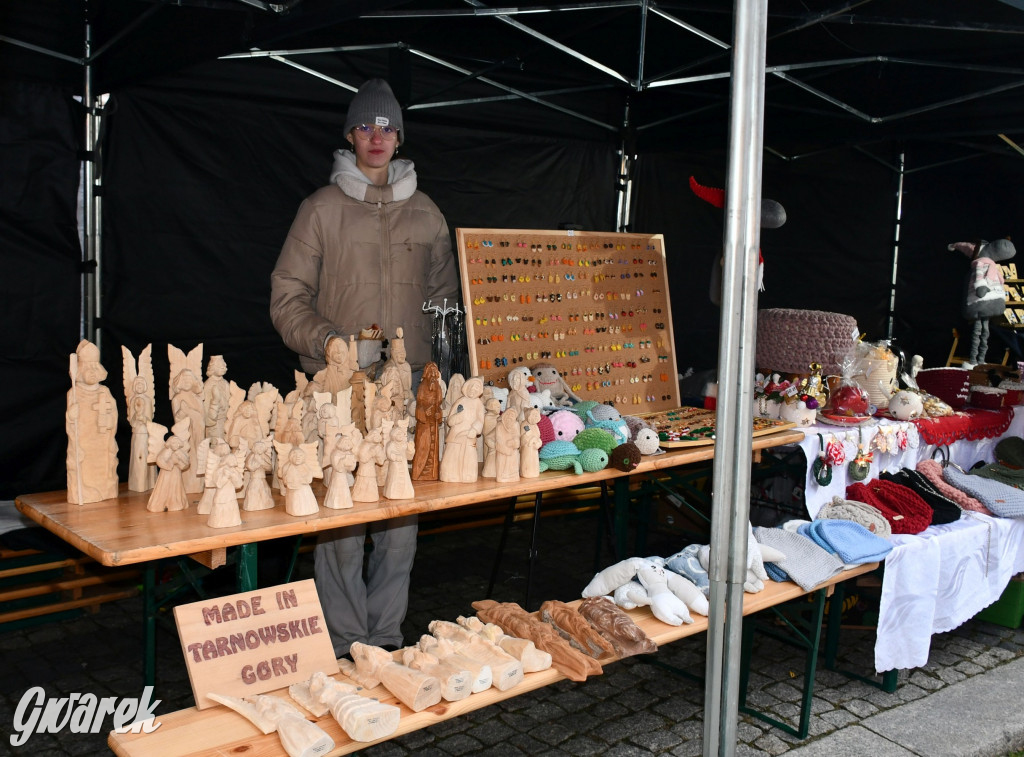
671 597
757 555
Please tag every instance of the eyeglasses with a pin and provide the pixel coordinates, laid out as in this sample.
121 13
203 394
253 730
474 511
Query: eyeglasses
366 131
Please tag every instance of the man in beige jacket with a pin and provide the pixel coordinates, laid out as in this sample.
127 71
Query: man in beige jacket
367 249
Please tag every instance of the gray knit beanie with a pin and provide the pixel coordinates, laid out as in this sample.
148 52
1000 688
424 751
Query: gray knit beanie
375 104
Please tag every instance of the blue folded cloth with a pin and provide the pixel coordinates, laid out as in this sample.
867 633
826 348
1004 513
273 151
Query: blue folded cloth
686 564
853 543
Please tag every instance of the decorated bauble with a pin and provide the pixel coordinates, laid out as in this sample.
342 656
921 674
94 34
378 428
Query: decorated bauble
849 400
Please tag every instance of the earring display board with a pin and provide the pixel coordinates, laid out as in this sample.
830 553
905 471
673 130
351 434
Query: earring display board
593 304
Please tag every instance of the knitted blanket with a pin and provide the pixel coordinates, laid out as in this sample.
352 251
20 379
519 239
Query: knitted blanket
806 563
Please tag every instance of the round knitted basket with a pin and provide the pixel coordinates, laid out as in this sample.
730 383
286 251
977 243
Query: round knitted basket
951 385
1014 392
987 397
789 340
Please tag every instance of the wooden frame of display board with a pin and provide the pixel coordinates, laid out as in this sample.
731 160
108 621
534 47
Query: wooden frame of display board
593 304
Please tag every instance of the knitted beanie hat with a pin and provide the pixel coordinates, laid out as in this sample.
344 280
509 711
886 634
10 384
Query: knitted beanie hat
806 563
944 509
906 512
862 513
932 470
375 104
853 543
1004 501
1010 451
1002 473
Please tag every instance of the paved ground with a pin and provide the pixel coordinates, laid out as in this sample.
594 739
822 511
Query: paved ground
964 702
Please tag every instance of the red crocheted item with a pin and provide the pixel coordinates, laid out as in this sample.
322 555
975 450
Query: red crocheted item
971 424
904 508
932 470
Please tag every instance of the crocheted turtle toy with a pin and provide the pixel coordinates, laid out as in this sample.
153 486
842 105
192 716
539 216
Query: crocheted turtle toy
559 455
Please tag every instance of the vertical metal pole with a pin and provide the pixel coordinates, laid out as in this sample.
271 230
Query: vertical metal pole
639 85
736 364
896 249
90 287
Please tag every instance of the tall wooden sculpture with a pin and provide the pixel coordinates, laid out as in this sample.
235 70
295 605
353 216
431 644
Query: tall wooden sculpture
91 422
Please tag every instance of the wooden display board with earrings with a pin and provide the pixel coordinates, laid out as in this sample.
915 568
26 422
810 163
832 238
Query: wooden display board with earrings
593 304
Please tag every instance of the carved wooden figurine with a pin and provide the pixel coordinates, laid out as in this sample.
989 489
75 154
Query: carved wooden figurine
480 672
413 688
299 737
506 670
530 444
426 463
298 468
91 423
465 421
456 683
257 494
518 390
452 394
398 363
492 409
507 443
216 397
140 396
369 453
399 450
343 461
337 375
361 718
171 458
524 650
224 467
186 391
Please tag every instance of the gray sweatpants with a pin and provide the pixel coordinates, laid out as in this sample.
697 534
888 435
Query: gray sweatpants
369 611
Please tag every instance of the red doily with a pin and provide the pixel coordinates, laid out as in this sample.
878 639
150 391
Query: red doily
970 423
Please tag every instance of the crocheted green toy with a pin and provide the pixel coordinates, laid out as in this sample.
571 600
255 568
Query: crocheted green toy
558 455
595 438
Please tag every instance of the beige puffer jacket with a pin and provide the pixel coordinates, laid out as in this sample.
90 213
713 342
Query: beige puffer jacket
359 254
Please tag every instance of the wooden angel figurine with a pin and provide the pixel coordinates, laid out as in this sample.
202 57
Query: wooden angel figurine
492 409
452 394
186 392
519 379
140 396
299 737
507 442
171 458
224 468
530 444
465 421
298 469
342 462
328 425
399 450
426 461
256 493
369 454
91 422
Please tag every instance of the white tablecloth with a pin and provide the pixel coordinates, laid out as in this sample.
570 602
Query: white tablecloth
964 453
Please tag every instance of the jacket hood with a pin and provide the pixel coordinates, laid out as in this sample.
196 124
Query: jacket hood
353 182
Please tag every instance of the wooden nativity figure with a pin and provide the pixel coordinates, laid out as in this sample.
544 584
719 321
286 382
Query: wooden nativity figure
506 446
298 468
398 363
426 461
171 458
530 444
91 422
256 493
336 376
186 392
224 467
492 409
369 454
452 394
140 399
399 450
465 421
342 463
216 397
518 390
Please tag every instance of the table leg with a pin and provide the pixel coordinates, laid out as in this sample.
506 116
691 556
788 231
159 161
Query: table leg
149 624
246 567
621 492
533 549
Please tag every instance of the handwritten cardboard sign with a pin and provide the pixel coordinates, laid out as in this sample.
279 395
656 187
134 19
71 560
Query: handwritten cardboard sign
255 642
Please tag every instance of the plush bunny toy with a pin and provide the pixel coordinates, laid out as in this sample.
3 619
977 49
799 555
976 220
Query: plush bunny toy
985 297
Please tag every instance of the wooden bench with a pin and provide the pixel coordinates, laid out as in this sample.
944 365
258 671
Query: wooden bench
218 730
34 584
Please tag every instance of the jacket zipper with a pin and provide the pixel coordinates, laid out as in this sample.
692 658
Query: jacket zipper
385 263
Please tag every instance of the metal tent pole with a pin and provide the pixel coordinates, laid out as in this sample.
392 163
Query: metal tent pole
896 248
734 421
